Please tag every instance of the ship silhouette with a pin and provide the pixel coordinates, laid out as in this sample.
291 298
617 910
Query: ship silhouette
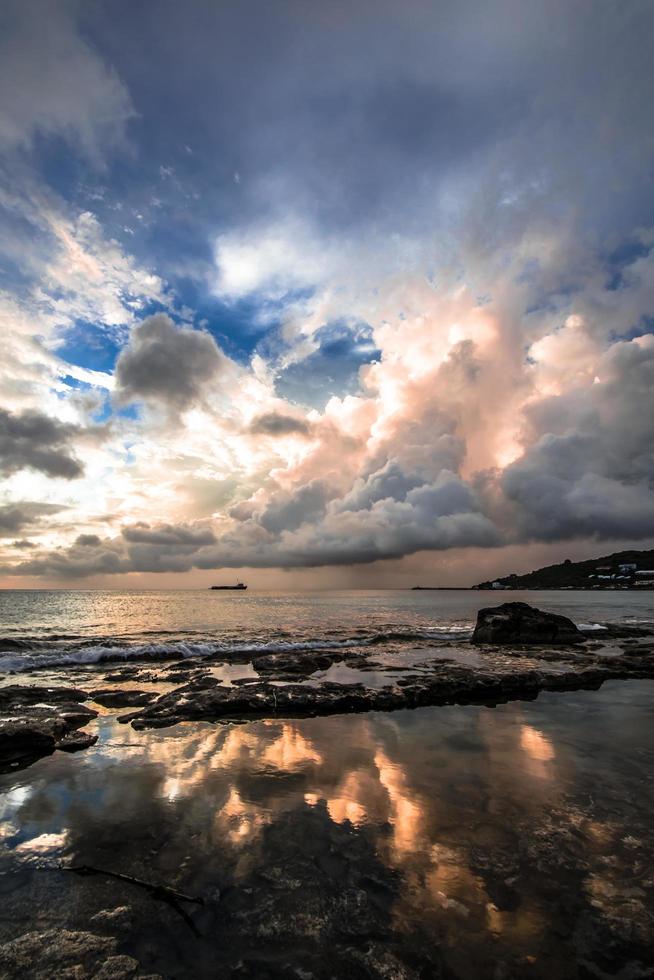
239 587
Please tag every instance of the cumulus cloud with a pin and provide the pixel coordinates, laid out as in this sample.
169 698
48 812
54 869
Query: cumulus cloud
167 364
588 468
436 341
31 440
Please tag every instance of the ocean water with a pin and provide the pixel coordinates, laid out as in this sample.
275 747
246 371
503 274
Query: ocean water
60 628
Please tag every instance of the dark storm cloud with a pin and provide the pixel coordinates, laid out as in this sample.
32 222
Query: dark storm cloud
277 424
31 440
167 364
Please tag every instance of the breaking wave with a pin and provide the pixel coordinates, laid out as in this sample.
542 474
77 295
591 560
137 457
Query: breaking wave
32 653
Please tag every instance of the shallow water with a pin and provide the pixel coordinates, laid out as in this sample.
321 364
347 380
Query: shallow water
466 842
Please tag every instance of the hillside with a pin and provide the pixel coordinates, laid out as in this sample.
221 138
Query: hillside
604 572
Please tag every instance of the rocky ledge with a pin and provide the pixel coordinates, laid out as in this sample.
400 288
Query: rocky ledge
447 682
35 721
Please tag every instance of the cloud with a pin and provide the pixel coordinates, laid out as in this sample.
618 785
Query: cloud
52 82
139 547
277 424
166 535
167 364
273 260
26 513
588 469
412 252
302 531
31 440
286 512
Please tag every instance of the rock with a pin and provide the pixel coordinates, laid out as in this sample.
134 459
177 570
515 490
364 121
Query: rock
64 953
34 721
76 741
294 663
120 918
123 699
518 622
22 694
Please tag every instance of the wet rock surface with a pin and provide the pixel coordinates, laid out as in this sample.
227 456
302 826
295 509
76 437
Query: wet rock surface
442 682
63 953
122 699
518 622
35 721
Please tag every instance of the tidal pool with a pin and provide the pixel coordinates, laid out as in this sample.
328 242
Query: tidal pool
455 842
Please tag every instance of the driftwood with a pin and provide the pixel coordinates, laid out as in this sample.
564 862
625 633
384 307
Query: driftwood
162 893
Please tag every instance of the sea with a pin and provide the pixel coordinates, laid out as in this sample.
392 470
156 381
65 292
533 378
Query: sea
71 627
455 842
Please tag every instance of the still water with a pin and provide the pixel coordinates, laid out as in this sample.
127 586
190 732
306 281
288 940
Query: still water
455 842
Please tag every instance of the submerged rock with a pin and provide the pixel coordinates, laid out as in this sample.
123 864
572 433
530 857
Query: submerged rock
518 622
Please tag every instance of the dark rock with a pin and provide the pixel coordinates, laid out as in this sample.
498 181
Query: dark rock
518 622
296 662
34 721
452 683
19 694
76 741
123 699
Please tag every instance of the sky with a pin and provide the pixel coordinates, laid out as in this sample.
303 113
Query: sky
323 295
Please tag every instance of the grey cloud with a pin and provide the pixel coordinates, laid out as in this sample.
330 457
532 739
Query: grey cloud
140 547
589 468
296 531
32 440
277 424
401 474
167 364
53 82
27 513
167 534
286 512
87 540
79 560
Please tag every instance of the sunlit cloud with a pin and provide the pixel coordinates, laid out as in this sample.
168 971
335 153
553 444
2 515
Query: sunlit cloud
304 322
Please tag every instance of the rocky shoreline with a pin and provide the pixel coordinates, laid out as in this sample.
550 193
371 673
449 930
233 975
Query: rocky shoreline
530 652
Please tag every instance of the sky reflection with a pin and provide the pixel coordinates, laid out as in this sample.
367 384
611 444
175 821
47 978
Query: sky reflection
477 813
